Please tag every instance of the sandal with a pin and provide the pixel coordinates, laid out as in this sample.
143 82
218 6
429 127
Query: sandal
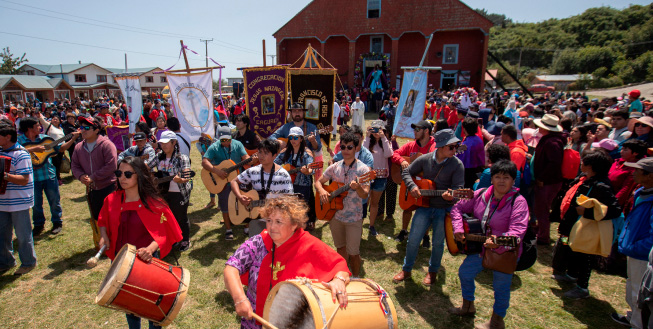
210 205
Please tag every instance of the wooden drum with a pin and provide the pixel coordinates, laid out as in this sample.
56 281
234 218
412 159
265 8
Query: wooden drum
155 291
302 303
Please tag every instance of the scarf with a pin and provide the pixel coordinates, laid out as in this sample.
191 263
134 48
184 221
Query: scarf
569 196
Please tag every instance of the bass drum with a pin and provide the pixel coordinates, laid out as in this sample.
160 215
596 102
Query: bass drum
302 303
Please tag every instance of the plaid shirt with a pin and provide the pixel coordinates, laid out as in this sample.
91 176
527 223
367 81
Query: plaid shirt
179 162
47 170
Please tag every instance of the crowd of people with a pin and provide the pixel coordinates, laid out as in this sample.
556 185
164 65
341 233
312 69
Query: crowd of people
557 157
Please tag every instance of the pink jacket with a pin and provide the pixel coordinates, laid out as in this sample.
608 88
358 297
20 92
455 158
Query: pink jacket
99 164
509 219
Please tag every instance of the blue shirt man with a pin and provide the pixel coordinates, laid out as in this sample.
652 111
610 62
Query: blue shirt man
297 111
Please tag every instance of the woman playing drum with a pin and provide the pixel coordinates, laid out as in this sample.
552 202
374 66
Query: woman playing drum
294 252
136 214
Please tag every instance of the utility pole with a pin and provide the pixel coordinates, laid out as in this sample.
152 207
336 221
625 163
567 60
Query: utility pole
272 56
206 46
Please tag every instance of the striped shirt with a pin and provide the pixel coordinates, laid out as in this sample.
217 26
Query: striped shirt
18 197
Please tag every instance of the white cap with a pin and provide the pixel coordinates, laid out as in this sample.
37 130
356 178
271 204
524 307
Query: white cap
167 136
296 131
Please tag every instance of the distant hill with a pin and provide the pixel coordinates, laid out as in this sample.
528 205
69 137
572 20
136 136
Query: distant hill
615 46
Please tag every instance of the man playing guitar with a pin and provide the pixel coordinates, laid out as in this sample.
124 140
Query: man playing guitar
423 144
310 130
347 224
447 172
268 179
225 149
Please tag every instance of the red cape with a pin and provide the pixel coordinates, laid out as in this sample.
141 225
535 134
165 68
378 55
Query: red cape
159 221
302 255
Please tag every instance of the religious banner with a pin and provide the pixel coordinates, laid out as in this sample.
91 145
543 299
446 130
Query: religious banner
119 135
410 109
266 98
130 87
315 90
191 96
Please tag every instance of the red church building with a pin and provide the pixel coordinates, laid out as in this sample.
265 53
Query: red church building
355 36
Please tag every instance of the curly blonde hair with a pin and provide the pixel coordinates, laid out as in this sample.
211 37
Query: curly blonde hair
290 205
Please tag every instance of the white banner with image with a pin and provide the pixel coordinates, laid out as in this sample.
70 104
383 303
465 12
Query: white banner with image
130 87
191 96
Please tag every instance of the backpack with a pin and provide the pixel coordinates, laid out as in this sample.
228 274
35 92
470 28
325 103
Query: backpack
570 163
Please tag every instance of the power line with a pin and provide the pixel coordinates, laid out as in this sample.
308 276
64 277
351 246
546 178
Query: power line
108 48
112 26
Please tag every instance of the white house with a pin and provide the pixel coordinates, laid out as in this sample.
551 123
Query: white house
150 83
87 79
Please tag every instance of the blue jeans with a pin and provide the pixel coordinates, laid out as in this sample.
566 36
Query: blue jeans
470 268
51 189
21 224
423 218
134 322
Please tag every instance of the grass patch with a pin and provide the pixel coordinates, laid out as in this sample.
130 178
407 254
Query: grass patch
60 292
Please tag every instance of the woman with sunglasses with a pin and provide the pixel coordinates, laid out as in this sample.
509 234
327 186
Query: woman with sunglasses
642 130
381 149
136 214
298 155
176 164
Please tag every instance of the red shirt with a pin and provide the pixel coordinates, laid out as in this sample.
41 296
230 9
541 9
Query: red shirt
412 148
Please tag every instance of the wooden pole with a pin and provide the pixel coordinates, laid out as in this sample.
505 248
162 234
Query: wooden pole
428 45
183 49
263 53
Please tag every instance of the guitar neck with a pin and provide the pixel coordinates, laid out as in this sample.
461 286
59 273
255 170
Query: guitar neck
432 193
339 191
57 142
475 237
239 164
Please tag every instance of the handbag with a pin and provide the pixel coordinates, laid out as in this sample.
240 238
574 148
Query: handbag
504 263
64 166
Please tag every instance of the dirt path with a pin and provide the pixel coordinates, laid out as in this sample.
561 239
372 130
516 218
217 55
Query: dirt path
646 89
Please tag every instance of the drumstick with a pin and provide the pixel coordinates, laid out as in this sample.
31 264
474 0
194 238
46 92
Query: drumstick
92 262
262 321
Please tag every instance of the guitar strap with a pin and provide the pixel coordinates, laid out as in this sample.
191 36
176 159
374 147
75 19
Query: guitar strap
263 185
486 219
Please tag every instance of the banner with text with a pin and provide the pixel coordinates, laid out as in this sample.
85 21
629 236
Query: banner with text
315 90
192 97
410 109
130 87
266 94
119 135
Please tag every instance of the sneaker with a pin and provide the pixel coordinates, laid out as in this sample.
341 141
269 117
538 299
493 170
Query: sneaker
401 236
24 270
185 245
5 269
209 205
620 319
563 278
56 228
38 229
577 293
310 226
229 235
426 242
373 231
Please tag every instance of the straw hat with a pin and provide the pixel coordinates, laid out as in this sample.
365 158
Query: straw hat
549 122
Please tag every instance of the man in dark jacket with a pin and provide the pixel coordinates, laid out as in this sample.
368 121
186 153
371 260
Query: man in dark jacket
636 239
548 173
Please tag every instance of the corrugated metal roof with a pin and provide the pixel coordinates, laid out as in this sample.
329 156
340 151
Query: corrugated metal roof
58 69
559 77
139 70
30 81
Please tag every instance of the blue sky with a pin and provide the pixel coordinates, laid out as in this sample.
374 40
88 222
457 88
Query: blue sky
53 32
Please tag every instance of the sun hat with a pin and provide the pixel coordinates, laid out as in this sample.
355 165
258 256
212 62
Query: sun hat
549 122
296 131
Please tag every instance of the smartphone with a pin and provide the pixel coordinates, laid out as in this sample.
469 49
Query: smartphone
375 130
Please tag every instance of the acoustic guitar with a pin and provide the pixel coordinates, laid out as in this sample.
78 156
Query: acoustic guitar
214 184
474 237
162 179
428 189
292 170
395 169
40 158
207 141
239 212
337 193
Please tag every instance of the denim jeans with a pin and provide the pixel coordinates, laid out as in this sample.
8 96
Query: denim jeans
21 224
470 268
51 189
423 218
134 322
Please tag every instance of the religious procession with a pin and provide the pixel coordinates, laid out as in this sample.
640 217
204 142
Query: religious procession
322 191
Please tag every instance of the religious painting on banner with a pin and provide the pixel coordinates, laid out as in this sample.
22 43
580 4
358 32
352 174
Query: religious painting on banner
315 90
410 108
130 87
119 135
192 100
266 94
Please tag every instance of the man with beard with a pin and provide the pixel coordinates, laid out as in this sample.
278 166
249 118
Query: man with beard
297 111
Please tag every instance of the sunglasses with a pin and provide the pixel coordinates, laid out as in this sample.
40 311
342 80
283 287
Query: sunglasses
293 138
639 124
453 147
128 174
349 147
85 127
225 140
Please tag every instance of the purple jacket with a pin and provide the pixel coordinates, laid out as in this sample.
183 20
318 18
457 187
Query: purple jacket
474 157
98 164
506 220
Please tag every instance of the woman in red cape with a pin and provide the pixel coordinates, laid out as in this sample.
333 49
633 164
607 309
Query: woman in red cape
296 254
136 214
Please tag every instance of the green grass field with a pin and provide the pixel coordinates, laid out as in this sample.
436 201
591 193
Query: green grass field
60 292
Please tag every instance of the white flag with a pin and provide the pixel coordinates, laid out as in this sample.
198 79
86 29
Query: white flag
130 87
192 98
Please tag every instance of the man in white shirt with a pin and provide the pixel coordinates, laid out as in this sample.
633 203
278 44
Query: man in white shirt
358 113
619 132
